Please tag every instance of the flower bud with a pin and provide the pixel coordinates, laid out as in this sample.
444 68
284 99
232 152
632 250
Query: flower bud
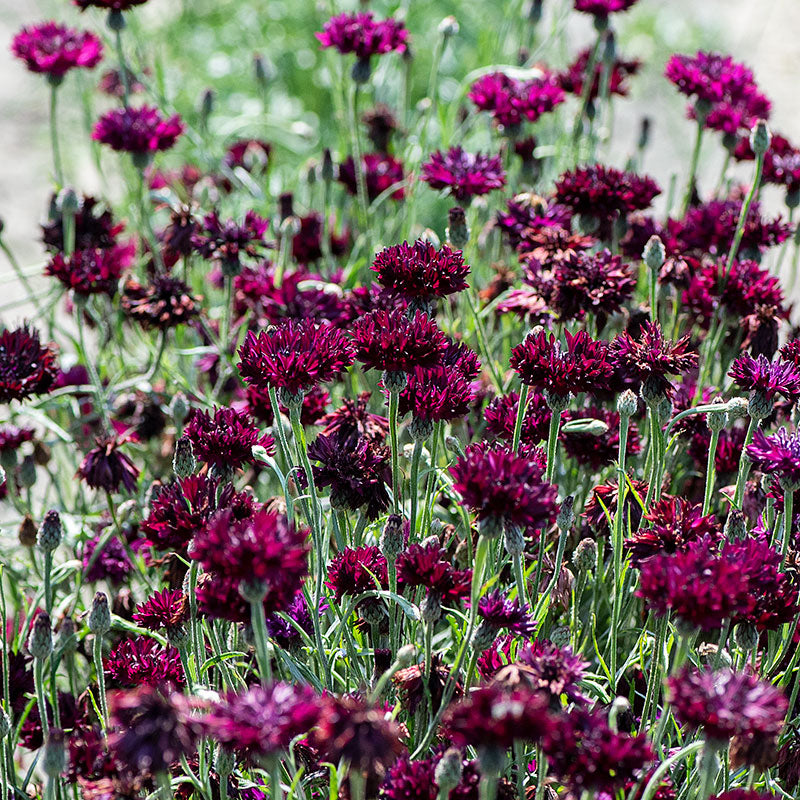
420 429
585 556
654 253
5 723
206 105
40 642
447 774
184 462
27 531
735 528
67 638
394 381
391 541
716 419
737 408
453 445
457 232
746 636
627 404
26 474
179 408
327 170
556 402
759 406
406 656
484 636
449 27
49 536
566 516
431 607
760 137
619 707
100 615
560 636
514 539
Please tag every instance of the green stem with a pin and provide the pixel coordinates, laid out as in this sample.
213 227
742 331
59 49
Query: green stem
710 472
123 67
552 444
361 184
38 681
740 225
654 680
97 653
394 401
99 392
522 407
698 142
258 620
414 488
788 516
744 464
57 165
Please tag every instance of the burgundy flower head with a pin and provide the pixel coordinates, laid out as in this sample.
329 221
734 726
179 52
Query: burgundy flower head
778 455
140 131
262 721
766 377
510 101
356 469
726 703
541 362
162 610
381 172
142 661
500 613
93 271
225 439
391 342
111 564
420 270
464 175
285 632
604 500
781 161
105 467
55 49
294 356
26 368
12 437
602 8
363 35
109 5
354 571
502 486
501 417
572 79
552 669
427 566
354 417
416 780
165 303
94 226
226 242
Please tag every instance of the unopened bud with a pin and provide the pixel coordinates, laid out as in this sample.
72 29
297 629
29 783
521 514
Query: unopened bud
391 541
447 774
55 756
449 27
457 229
26 475
49 536
67 637
100 615
327 171
566 516
179 408
27 531
40 642
560 636
406 656
746 636
420 429
737 408
654 253
514 539
716 419
585 556
431 607
735 528
183 462
760 137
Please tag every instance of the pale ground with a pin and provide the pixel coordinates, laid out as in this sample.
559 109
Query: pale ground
764 33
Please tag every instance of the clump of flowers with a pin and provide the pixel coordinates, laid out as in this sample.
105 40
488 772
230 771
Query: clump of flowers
464 175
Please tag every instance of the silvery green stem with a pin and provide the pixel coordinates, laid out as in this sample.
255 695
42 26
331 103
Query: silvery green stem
698 143
57 166
38 680
97 653
521 409
710 472
744 464
261 635
394 401
552 444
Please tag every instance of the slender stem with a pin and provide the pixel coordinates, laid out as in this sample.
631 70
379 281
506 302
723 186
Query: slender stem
97 652
654 295
748 201
744 464
521 409
710 472
259 622
361 184
394 401
698 142
123 67
48 586
38 681
519 576
654 680
414 488
586 92
788 518
57 165
552 444
100 395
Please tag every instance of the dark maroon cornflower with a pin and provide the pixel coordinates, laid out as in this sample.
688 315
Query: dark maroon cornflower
264 551
381 124
111 83
602 505
363 35
527 304
294 356
55 49
12 437
491 718
94 271
356 469
285 633
742 794
420 270
226 242
381 172
262 721
502 486
498 613
26 368
354 571
94 228
226 438
112 564
105 467
597 450
791 352
604 193
183 507
602 8
414 687
247 154
148 731
162 610
552 669
551 244
391 342
307 242
363 735
529 212
353 416
109 5
726 703
416 780
777 455
597 283
588 755
165 303
697 584
572 79
441 393
781 161
672 524
765 377
464 175
139 131
142 661
510 101
651 357
541 362
501 417
427 566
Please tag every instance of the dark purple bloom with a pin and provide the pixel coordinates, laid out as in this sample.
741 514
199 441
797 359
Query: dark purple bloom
427 566
602 8
502 486
499 613
294 356
112 563
353 416
781 161
161 611
55 49
501 417
726 703
510 101
541 362
105 467
354 571
12 437
142 661
465 175
552 669
165 303
247 154
381 172
94 228
420 270
226 242
604 501
416 780
94 271
363 35
26 368
283 632
572 79
262 721
767 378
226 438
356 469
778 455
140 131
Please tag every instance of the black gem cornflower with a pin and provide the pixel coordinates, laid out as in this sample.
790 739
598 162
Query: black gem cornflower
26 368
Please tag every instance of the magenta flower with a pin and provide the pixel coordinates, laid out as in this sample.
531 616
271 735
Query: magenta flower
26 368
781 161
499 613
552 669
602 8
354 571
503 487
778 455
381 172
93 271
294 356
142 661
226 242
725 703
709 77
139 131
165 303
427 566
767 378
542 362
572 79
262 721
464 175
94 227
420 270
510 101
111 564
363 35
162 610
501 417
54 49
106 468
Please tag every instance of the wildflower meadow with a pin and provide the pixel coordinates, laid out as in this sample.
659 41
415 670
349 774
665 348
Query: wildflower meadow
381 434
